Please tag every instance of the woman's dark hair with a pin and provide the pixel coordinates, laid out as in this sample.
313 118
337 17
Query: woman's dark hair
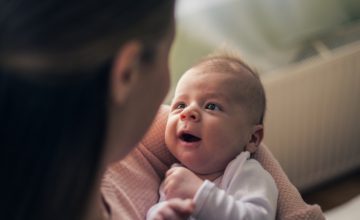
55 61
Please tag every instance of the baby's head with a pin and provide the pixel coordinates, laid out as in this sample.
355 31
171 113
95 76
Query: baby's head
217 112
246 89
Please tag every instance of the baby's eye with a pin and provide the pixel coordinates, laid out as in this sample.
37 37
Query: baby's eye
180 106
213 107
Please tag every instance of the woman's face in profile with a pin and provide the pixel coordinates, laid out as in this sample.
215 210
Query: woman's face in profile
131 121
157 82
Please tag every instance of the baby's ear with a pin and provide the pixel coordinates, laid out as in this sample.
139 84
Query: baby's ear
255 139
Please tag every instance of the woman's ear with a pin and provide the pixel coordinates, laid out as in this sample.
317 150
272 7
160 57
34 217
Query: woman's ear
124 73
255 138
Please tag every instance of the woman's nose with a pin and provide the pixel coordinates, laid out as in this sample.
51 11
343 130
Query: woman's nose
190 115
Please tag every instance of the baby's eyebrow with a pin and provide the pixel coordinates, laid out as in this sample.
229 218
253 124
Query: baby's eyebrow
207 95
217 95
178 97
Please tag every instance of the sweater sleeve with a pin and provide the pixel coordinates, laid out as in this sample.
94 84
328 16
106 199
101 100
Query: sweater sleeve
130 186
250 195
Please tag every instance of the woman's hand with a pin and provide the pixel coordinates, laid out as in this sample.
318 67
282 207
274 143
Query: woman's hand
181 183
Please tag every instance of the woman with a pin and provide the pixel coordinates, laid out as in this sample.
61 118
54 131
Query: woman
73 75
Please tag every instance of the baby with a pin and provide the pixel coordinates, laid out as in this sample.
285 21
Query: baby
215 123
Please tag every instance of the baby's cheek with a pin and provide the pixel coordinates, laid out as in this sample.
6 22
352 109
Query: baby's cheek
170 131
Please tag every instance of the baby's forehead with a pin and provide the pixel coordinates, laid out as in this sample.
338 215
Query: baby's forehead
238 79
228 84
223 64
233 74
205 76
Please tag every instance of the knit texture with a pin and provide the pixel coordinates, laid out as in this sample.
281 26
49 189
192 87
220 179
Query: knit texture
130 187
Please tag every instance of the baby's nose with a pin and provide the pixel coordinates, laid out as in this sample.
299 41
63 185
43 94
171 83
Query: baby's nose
191 115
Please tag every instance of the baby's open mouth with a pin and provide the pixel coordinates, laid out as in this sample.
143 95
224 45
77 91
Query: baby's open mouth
189 137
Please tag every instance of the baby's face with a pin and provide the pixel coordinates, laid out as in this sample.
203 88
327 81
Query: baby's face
207 125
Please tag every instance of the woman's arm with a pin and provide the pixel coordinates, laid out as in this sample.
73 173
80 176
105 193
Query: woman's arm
130 186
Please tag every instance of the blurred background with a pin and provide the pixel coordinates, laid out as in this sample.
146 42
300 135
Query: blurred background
308 55
269 34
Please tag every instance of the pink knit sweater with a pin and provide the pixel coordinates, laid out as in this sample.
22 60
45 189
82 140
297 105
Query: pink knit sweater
130 187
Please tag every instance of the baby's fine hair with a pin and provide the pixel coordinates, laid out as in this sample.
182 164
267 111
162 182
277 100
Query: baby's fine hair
254 93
